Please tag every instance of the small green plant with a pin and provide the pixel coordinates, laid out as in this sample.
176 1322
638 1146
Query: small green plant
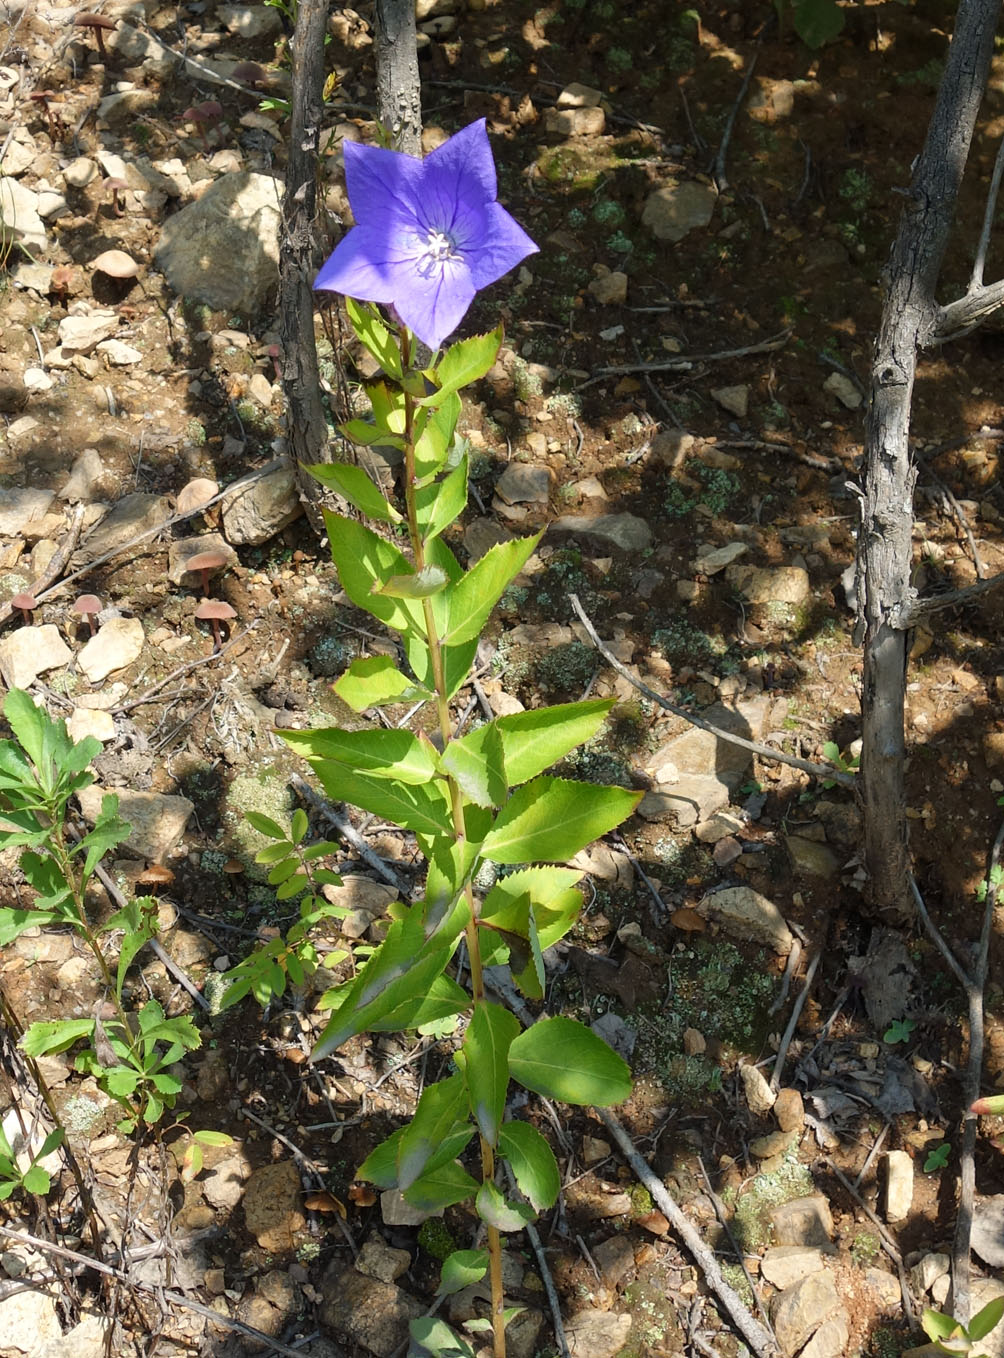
33 1179
816 22
843 763
898 1031
855 189
937 1158
947 1334
865 1248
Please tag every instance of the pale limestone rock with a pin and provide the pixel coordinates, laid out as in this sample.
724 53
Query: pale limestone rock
136 513
926 1273
803 1221
719 557
597 1334
19 505
181 552
625 531
844 390
88 721
20 215
250 21
380 1260
157 820
692 798
119 354
759 1095
771 584
575 122
80 172
719 826
885 1285
396 1211
27 1320
524 483
82 334
984 1291
830 1340
610 288
579 96
799 1310
735 399
118 643
255 508
88 480
223 1185
899 1186
789 1110
30 651
673 210
785 1265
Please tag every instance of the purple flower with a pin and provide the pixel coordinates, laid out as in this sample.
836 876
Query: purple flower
429 233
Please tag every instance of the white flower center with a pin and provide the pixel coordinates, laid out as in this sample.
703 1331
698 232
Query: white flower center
439 246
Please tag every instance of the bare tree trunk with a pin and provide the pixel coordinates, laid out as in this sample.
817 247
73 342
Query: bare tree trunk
399 90
307 432
910 318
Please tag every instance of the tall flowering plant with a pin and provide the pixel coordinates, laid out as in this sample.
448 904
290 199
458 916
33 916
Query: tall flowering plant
428 236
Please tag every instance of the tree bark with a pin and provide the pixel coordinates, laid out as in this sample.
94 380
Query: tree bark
399 90
910 319
307 433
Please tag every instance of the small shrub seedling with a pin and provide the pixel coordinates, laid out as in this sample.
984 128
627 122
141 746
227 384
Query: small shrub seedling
948 1335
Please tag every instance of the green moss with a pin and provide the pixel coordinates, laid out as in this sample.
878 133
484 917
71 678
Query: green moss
865 1248
751 1220
567 669
436 1239
264 789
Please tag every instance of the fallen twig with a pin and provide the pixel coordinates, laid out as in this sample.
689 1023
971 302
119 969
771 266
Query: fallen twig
537 1245
347 830
686 361
756 1336
54 569
828 771
722 1215
718 170
789 1032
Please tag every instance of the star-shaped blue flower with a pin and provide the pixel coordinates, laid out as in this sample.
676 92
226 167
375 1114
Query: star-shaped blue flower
429 233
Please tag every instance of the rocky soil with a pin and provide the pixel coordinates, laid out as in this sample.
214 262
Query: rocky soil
679 400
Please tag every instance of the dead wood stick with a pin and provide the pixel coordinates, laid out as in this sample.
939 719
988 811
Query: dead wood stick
726 1226
718 172
756 1336
533 1235
346 829
916 610
789 1032
828 771
686 361
888 1243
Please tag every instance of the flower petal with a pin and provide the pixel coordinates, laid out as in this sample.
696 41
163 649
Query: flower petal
434 305
366 264
382 184
462 168
498 246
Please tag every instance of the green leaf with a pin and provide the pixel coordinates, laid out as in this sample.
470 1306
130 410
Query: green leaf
463 363
43 1039
532 1162
553 818
533 741
36 1180
299 826
363 560
139 919
372 332
435 437
394 755
472 599
30 726
561 1059
438 504
108 830
460 1270
425 810
817 22
531 977
479 771
504 1216
442 1000
986 1319
265 825
938 1326
421 584
380 1166
210 1138
486 1047
431 1338
51 1142
441 1107
549 890
355 485
441 1187
13 923
376 682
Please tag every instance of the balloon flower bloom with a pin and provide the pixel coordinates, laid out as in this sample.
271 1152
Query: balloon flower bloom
429 234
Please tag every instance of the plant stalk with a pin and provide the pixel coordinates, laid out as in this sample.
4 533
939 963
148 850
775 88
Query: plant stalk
457 810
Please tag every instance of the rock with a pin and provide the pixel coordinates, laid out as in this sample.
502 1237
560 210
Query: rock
691 799
523 482
137 48
379 1260
397 1211
82 334
579 96
719 826
20 152
89 721
117 644
237 218
830 1340
13 390
80 172
136 513
773 1144
522 1332
85 1340
19 506
844 390
899 1186
701 752
988 1230
366 1311
482 534
36 379
885 1285
610 288
714 561
789 1110
223 1186
179 554
157 820
250 21
594 1150
803 1221
759 1095
785 1265
119 355
982 1293
799 1310
89 479
771 584
30 651
746 914
257 507
597 1334
810 858
27 1320
677 208
574 122
272 1208
20 216
361 893
626 531
735 400
927 1272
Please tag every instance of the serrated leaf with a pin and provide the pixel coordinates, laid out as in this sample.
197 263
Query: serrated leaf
463 363
460 1270
486 1047
421 584
533 741
551 892
553 818
496 1211
397 756
425 810
473 597
43 1039
437 505
371 332
442 1000
435 437
561 1059
375 682
355 485
36 1180
532 1162
441 1107
479 772
363 560
530 978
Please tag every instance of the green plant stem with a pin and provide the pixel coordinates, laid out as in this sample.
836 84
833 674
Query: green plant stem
457 810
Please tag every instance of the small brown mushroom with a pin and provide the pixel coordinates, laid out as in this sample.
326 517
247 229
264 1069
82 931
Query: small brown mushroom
205 563
116 186
87 606
215 611
42 97
154 877
195 493
62 281
26 603
116 264
205 115
98 24
251 74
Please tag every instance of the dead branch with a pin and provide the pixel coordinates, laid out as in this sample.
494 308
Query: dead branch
828 771
685 362
916 610
718 172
